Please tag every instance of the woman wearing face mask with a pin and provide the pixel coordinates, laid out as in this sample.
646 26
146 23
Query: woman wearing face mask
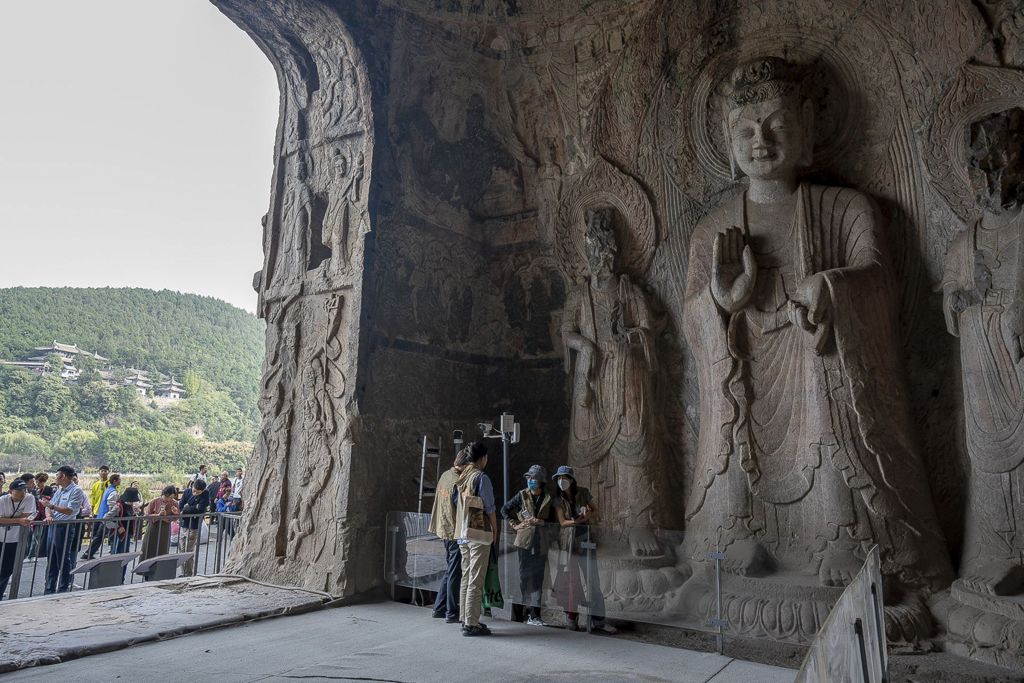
575 510
527 513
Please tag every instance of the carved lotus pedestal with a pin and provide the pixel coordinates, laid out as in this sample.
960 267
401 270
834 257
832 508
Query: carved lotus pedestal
787 608
640 587
988 628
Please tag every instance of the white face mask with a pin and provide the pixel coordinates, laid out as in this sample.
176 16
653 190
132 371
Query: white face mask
564 483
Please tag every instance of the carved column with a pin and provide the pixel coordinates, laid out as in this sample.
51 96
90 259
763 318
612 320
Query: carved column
301 527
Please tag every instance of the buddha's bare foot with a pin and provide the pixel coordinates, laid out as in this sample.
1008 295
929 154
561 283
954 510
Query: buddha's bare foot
838 567
643 543
748 558
995 577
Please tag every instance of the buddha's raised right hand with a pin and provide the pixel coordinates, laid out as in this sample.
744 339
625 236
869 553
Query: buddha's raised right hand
733 270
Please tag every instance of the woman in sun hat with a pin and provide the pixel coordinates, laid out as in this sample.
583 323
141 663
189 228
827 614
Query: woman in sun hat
575 512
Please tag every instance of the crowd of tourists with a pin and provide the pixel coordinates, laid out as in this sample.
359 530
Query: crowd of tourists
47 518
465 518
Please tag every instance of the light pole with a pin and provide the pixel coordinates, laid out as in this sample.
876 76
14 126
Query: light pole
508 432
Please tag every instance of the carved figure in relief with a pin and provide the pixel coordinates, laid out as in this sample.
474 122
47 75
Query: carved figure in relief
322 386
805 457
297 218
610 355
983 295
343 205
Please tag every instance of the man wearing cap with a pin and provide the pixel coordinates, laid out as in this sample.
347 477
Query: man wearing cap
528 513
442 525
63 508
17 510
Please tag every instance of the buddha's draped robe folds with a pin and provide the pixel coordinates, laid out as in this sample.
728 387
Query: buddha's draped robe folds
801 450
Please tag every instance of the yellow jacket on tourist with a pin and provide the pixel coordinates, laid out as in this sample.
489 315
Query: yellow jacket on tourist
96 494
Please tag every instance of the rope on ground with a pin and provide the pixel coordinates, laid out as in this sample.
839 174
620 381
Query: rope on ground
266 584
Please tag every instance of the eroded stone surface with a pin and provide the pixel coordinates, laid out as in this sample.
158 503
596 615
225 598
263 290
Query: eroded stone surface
434 164
106 619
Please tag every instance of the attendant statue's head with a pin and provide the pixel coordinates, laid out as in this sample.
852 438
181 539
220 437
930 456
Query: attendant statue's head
995 163
599 241
769 120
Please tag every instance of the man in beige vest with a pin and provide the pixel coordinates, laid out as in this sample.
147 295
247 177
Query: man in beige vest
476 554
442 525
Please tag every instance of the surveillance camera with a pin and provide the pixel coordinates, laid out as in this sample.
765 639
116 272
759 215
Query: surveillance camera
485 427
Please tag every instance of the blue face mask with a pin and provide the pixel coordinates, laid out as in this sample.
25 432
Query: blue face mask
532 484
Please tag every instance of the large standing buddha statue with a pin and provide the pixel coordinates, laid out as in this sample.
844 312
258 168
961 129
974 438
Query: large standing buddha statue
805 457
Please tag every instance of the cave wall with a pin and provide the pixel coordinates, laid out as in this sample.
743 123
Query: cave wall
479 129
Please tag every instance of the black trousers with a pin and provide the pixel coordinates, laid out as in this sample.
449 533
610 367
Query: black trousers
61 558
8 551
531 579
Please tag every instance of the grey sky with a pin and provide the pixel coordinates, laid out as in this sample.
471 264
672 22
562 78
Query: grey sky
137 147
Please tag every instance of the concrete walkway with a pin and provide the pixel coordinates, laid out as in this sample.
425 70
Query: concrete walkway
397 643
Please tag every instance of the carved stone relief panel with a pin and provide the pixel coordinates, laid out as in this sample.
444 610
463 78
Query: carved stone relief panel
296 529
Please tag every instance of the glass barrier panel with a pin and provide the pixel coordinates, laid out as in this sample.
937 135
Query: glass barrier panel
571 575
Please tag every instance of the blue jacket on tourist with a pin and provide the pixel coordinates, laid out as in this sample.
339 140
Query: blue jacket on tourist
105 502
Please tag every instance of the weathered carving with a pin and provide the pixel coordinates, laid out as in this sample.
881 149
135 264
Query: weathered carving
983 301
310 289
805 456
614 440
501 123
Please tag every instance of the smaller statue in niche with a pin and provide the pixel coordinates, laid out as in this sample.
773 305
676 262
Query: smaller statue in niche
614 441
297 220
983 296
343 206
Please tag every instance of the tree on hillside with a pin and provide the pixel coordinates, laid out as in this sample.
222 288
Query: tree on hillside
77 446
56 363
23 443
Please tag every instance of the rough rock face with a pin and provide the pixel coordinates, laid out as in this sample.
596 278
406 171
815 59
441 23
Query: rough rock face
435 164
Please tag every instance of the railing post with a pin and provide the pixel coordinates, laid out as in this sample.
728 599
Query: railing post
392 573
718 622
220 536
19 559
589 547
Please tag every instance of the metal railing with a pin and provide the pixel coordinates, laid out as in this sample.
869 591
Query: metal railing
46 554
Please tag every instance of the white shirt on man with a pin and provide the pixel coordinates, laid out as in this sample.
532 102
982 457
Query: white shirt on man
8 508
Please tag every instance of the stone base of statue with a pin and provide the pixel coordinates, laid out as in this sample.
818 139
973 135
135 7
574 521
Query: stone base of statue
784 607
787 607
984 627
639 587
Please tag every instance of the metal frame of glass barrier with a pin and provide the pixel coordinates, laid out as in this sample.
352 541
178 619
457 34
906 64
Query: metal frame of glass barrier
414 559
89 538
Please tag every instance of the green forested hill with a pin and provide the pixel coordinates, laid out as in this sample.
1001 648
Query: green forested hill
155 331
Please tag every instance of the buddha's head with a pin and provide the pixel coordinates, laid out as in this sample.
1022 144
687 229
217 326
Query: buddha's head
995 163
600 244
769 120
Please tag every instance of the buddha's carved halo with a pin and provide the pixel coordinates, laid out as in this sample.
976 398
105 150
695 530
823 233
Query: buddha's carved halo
805 66
977 92
603 186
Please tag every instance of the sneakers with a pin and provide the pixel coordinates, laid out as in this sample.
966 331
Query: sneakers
605 628
478 630
437 615
535 621
452 620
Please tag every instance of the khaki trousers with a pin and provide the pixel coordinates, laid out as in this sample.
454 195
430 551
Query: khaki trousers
475 558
